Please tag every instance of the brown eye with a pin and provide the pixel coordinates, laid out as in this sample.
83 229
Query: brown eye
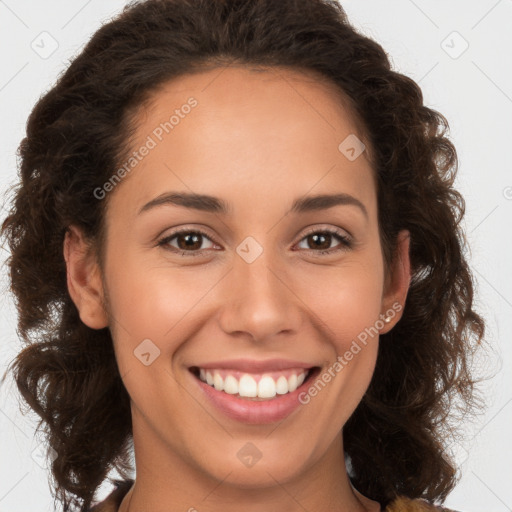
320 241
190 241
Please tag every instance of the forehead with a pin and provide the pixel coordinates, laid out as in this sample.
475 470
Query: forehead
229 130
240 91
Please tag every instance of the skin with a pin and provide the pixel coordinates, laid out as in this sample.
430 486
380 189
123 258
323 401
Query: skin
257 140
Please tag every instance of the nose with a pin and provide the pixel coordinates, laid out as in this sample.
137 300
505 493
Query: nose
259 300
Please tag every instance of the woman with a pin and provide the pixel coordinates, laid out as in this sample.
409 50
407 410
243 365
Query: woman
236 248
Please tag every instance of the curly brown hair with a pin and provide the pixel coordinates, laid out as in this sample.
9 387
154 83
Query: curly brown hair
78 133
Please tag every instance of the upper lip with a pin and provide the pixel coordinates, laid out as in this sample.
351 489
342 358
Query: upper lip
255 366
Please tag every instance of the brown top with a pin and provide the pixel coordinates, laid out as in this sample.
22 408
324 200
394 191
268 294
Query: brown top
400 504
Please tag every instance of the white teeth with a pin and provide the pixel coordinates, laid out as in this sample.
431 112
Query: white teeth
292 382
267 387
247 386
282 385
231 385
218 382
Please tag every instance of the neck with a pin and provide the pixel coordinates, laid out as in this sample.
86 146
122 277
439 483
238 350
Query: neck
165 483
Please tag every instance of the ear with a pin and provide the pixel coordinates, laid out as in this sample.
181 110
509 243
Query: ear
397 283
84 279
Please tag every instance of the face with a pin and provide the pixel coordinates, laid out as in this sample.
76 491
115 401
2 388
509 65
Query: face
255 288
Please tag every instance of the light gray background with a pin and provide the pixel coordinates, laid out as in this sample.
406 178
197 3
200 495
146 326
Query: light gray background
471 86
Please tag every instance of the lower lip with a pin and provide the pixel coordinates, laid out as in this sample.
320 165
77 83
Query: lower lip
251 411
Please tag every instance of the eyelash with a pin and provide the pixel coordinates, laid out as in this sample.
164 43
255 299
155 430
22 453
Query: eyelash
346 242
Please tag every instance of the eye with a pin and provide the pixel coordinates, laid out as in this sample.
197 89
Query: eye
189 241
322 239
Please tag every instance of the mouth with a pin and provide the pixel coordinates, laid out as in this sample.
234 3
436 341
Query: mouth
249 386
254 392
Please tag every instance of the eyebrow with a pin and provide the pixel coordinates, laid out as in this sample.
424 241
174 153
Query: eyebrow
213 204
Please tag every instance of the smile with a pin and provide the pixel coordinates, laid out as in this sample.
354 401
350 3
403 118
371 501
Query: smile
254 392
246 385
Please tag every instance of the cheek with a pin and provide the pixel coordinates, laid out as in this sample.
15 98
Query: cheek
345 298
149 300
347 306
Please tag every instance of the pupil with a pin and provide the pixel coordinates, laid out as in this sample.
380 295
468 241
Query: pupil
317 237
191 240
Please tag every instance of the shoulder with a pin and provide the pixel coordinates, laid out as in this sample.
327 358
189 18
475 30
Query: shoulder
112 502
404 504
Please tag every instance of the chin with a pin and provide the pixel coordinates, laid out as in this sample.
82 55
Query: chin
250 467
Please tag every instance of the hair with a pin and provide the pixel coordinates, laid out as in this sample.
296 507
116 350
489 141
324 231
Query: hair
76 136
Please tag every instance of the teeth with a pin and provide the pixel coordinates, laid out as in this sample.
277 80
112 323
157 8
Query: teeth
292 383
247 386
218 383
266 387
282 385
231 385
